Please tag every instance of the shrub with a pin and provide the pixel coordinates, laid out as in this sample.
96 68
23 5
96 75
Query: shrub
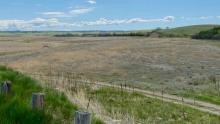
213 34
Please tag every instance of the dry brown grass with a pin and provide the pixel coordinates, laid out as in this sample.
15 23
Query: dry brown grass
79 96
144 62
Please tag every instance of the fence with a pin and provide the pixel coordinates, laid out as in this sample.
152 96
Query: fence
71 82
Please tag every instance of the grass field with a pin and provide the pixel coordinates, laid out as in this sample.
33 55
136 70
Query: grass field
174 65
179 66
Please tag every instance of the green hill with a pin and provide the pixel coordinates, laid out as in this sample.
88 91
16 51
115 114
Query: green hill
186 31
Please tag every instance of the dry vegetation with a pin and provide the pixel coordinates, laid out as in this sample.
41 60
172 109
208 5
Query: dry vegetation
174 65
180 66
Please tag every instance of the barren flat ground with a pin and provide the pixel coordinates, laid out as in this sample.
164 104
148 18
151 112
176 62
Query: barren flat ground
172 64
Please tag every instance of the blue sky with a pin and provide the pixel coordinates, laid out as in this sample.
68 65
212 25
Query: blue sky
106 14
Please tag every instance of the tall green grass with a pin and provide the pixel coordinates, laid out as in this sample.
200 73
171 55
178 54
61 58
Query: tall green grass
15 108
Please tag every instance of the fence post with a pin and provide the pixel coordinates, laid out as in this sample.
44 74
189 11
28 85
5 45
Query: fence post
38 100
82 118
183 113
162 95
6 87
121 89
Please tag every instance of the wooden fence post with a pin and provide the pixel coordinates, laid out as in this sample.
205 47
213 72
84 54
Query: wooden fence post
6 87
162 95
38 100
82 118
121 89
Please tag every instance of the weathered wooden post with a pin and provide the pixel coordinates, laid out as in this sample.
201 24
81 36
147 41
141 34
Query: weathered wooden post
82 118
133 88
162 95
121 89
38 100
6 87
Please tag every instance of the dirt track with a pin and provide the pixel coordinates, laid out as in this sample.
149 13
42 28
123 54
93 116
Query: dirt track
202 106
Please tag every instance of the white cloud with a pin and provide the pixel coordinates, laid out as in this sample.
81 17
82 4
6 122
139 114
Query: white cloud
73 12
55 14
43 22
218 17
104 21
79 11
35 24
92 1
169 18
206 17
11 24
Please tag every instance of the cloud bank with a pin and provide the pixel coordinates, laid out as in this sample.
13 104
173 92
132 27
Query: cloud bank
35 24
104 21
54 23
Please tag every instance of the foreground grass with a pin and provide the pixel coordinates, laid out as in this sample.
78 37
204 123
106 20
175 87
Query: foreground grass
148 110
15 108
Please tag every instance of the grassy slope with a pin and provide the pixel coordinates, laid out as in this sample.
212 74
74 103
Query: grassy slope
148 110
15 108
188 30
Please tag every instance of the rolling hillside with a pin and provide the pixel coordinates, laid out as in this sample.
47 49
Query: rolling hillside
185 31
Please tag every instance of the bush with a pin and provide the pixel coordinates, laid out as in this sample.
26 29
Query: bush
213 34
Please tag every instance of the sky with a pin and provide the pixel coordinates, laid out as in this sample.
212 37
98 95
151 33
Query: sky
75 15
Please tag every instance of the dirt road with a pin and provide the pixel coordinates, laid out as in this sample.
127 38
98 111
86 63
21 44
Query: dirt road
203 106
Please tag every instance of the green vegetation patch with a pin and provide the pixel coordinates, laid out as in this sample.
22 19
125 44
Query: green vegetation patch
202 96
149 110
212 34
15 108
186 31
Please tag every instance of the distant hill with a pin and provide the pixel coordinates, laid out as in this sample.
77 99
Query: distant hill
186 31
